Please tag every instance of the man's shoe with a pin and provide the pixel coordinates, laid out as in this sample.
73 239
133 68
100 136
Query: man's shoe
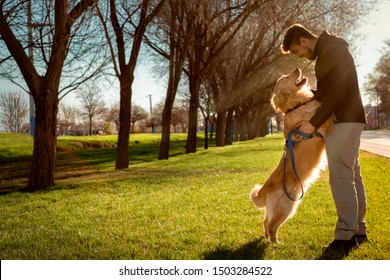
340 248
344 245
361 238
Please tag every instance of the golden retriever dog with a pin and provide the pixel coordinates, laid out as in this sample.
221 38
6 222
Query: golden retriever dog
282 192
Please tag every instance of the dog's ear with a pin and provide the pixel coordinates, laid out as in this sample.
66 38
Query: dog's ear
275 100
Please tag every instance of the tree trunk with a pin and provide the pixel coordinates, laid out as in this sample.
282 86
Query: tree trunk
237 122
44 154
166 125
220 131
211 122
193 115
206 138
122 151
251 130
132 125
236 131
176 62
90 126
243 127
229 128
262 129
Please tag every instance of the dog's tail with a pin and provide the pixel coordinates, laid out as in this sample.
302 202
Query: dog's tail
258 196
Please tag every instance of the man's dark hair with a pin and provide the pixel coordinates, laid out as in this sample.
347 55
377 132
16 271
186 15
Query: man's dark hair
293 36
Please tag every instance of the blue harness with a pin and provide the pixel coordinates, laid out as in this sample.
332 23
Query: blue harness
290 147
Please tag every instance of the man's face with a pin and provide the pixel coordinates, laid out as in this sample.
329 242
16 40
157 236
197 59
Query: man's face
302 51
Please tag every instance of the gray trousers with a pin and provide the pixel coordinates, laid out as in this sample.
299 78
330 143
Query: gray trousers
342 149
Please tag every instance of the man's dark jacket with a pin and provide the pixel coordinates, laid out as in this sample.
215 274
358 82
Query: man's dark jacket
337 82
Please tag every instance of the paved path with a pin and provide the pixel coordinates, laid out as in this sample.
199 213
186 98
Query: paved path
376 142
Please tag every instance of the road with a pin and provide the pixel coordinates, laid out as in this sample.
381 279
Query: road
376 142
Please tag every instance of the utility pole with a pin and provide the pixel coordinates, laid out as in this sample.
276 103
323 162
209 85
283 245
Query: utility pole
377 107
150 104
31 56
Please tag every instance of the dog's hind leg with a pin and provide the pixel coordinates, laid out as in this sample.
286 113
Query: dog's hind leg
273 225
266 234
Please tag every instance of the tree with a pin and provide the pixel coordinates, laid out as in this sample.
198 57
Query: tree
44 82
112 115
175 18
179 116
66 117
128 21
378 84
137 114
194 33
13 111
245 53
242 76
92 104
206 106
214 25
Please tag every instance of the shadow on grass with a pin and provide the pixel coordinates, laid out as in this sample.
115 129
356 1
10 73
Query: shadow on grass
333 255
14 171
253 250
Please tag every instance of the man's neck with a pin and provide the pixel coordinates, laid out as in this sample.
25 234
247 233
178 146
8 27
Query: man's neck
312 44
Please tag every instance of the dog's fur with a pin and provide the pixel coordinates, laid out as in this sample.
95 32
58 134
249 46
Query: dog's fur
293 97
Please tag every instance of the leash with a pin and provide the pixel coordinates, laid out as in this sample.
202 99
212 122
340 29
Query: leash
290 147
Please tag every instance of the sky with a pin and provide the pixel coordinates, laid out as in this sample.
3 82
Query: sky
376 30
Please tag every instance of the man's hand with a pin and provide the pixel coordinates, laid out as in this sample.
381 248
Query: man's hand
305 127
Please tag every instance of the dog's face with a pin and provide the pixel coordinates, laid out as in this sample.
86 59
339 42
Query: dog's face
290 91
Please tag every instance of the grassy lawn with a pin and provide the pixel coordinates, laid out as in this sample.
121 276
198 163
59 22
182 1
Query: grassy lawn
193 206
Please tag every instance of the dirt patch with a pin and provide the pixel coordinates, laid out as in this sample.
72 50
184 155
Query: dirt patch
77 146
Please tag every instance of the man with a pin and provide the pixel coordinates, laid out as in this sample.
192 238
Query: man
338 92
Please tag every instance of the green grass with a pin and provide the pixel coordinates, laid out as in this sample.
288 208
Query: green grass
193 206
14 146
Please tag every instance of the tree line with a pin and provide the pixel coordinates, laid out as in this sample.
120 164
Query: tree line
91 117
225 52
378 86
